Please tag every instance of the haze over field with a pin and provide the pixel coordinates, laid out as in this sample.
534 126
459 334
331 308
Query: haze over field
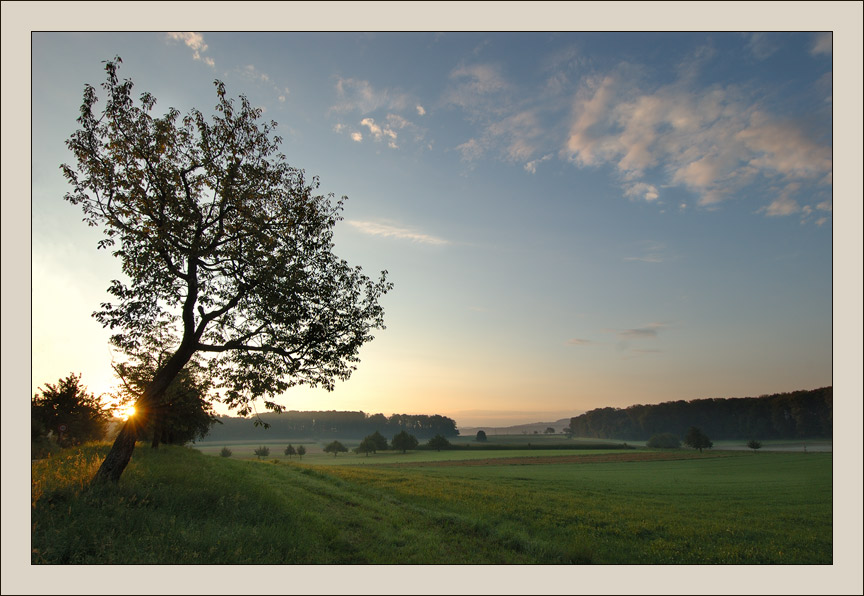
571 221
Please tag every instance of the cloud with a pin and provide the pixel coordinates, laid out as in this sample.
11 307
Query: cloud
654 252
641 190
391 230
380 133
476 89
421 111
711 141
650 331
822 43
356 137
531 166
578 342
194 41
360 96
470 150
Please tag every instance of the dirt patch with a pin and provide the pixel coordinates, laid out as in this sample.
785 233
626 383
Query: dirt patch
566 459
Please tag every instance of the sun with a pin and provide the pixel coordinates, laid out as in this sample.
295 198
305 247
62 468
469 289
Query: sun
127 412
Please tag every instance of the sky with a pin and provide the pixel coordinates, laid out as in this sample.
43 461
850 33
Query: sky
571 220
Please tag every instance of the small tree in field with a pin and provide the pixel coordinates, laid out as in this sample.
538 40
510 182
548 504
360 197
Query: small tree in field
262 451
438 443
225 452
335 448
301 450
549 430
222 242
754 444
403 442
367 446
290 450
696 439
481 436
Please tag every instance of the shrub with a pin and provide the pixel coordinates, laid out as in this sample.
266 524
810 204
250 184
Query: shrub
262 451
664 441
481 435
754 444
225 452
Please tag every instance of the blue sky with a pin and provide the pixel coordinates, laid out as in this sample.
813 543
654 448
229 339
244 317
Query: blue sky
571 220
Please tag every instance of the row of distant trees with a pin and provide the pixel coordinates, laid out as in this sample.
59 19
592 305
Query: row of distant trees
335 424
779 416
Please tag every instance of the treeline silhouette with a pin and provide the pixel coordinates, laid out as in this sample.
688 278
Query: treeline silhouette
799 414
330 424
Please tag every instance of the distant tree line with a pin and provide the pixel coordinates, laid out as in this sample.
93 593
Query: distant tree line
333 424
792 415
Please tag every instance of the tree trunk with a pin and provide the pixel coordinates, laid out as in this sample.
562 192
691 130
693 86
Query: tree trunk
120 454
121 451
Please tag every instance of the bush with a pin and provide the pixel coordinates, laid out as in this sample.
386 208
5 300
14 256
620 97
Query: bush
225 452
754 444
262 451
481 435
664 441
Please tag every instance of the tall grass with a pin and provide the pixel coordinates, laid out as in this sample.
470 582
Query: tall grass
178 506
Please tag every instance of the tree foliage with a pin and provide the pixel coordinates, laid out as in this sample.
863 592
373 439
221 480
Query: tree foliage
404 441
262 451
225 452
301 450
290 450
754 444
697 439
68 412
335 448
221 240
438 443
799 414
335 425
480 436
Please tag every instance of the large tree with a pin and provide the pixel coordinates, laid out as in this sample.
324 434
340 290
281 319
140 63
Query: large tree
221 240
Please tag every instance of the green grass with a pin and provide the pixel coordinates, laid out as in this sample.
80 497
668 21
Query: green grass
179 506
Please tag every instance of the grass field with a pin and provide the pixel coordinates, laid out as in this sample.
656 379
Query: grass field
180 506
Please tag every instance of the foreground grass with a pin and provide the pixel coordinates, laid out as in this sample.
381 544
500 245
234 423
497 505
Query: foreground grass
177 506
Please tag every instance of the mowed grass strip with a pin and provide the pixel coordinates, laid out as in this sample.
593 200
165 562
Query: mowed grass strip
177 506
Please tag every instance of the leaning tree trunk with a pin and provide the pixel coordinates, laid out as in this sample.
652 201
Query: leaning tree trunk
121 451
157 430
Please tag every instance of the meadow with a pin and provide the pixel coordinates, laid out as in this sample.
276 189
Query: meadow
178 505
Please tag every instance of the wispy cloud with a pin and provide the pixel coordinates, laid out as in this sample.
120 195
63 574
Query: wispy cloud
652 252
650 331
252 73
194 41
399 232
579 342
713 141
822 43
357 95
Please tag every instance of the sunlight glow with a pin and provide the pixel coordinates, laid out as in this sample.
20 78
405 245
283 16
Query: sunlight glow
127 412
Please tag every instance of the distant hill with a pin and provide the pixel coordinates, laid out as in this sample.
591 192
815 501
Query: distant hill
518 429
